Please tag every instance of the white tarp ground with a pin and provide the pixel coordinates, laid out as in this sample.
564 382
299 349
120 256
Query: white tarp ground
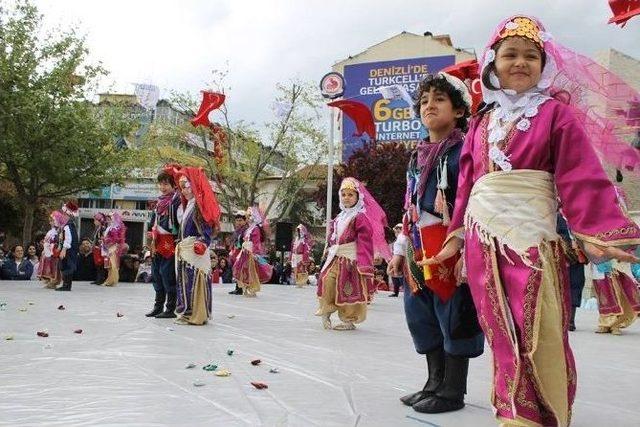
130 370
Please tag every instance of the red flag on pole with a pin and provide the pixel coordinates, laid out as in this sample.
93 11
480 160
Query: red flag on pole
210 102
359 113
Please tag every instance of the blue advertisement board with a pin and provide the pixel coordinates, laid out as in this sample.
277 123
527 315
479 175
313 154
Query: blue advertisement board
392 117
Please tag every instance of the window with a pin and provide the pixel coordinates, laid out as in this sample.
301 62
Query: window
103 204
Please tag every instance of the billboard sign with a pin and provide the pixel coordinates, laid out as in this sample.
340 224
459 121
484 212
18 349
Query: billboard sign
393 118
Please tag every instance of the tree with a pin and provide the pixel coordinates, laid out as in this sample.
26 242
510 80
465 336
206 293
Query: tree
382 168
292 140
53 141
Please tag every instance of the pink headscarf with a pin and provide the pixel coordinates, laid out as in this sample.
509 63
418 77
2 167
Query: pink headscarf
256 216
116 219
303 234
377 218
59 219
602 101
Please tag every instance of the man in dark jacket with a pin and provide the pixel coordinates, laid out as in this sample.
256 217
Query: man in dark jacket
85 267
16 266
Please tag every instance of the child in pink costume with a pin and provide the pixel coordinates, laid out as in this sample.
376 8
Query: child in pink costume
346 278
535 142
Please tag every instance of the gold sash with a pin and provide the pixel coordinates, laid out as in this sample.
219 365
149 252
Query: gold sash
516 209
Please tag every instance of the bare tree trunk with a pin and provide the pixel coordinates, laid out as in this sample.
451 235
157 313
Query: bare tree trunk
27 228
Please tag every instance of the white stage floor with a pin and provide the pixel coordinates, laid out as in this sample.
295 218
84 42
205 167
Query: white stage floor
130 370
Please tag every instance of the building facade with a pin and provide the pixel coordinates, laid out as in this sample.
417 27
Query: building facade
402 60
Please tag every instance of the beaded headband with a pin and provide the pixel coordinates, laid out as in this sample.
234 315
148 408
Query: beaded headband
522 27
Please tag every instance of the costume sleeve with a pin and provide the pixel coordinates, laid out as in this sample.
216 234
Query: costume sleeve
465 184
364 245
67 237
589 200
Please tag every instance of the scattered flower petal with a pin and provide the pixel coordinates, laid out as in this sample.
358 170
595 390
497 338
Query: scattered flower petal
259 385
222 373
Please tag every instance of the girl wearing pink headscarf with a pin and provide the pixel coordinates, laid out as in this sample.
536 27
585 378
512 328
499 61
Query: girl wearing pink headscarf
537 141
251 267
346 277
48 270
113 244
300 250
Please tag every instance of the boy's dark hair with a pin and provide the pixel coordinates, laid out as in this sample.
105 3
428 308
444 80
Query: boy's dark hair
166 178
441 84
486 81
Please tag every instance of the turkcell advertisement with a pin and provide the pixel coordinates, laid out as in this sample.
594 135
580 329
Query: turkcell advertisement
393 120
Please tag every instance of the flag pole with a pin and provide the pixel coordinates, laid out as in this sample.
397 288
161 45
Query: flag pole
330 171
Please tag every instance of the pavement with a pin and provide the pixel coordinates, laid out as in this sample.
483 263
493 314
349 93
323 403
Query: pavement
131 370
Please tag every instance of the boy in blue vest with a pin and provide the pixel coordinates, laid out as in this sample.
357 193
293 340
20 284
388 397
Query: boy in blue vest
163 229
69 245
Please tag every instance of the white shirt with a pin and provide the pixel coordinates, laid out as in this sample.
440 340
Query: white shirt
400 245
67 237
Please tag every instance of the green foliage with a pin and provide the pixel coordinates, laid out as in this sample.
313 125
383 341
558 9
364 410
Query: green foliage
53 141
294 138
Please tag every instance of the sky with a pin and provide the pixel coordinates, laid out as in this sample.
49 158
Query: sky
176 44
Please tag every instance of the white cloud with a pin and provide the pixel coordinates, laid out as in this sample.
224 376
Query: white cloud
176 44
